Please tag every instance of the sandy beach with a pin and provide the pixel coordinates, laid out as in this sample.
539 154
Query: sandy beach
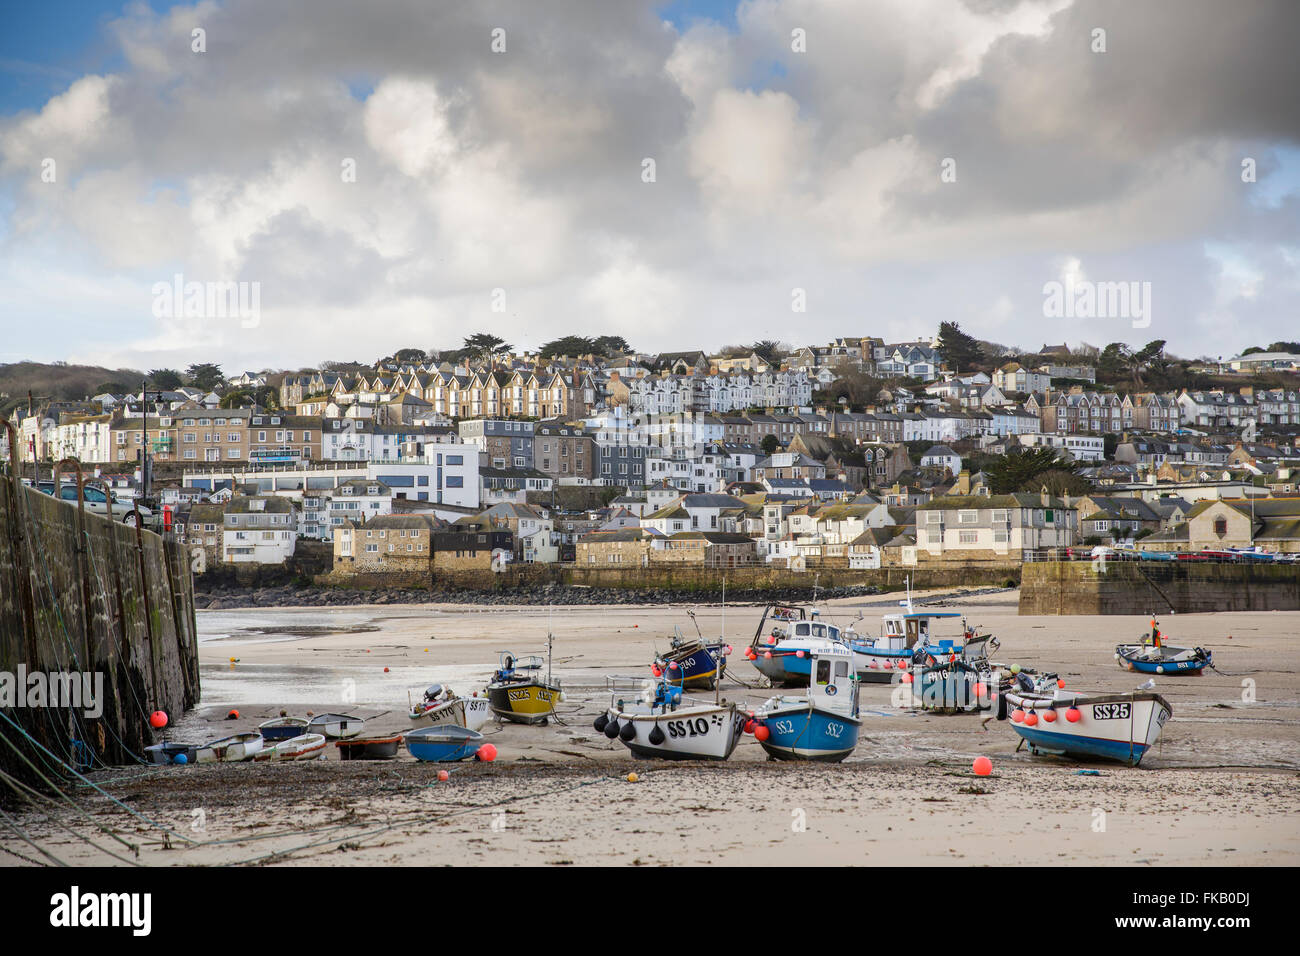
1222 788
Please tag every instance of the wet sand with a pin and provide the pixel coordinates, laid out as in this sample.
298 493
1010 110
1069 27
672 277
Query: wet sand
1222 788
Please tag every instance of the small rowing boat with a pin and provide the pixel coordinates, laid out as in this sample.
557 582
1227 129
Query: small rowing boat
1153 656
283 728
441 744
369 748
302 747
336 726
171 753
232 749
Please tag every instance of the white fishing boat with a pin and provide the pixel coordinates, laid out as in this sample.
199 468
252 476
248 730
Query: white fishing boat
336 726
653 719
302 747
232 749
441 706
1119 727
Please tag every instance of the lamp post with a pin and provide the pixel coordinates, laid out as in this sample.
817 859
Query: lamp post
144 441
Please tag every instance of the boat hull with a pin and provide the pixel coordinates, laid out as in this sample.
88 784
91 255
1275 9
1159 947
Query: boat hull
692 733
302 747
373 748
283 728
701 667
468 712
167 753
1121 727
783 668
336 726
799 733
1178 660
229 749
443 744
523 703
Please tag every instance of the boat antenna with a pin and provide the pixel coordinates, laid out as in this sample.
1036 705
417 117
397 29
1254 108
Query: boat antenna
724 607
550 640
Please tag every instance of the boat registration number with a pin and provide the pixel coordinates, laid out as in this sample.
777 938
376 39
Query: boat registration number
1111 711
699 727
543 695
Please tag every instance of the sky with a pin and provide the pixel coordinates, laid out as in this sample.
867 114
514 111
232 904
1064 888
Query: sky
686 174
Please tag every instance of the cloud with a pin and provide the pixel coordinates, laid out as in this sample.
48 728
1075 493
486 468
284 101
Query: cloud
775 169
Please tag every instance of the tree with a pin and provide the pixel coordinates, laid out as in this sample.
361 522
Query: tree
167 379
768 350
484 346
205 375
407 356
960 351
770 444
570 345
611 345
1020 468
1059 482
237 398
113 388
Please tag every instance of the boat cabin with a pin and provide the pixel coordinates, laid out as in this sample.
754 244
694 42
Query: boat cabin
815 630
832 681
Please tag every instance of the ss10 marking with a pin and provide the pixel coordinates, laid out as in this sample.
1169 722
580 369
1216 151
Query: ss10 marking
699 727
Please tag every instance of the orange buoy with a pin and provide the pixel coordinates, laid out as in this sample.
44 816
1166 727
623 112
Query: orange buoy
1017 715
983 766
233 715
444 776
761 732
1073 715
487 753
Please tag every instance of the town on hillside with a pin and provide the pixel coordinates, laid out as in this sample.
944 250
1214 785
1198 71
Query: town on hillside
858 454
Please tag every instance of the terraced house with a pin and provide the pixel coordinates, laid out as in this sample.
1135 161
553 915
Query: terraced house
973 528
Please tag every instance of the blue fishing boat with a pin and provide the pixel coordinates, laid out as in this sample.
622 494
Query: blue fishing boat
1121 727
821 725
908 636
443 743
784 653
1153 656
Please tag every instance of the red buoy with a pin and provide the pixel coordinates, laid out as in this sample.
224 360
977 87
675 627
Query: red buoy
1073 715
761 732
767 654
1049 717
233 715
444 776
1017 715
487 753
157 720
1031 719
983 766
906 678
798 654
1060 684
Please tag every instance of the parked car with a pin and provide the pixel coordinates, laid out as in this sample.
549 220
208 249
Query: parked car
100 501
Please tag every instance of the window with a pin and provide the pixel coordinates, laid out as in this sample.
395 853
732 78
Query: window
969 537
1220 526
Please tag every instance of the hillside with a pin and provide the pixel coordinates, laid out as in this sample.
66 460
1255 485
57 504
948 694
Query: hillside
60 381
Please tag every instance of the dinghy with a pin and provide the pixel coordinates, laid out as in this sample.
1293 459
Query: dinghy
336 726
441 706
302 747
1154 656
283 728
653 719
232 749
440 744
1119 727
369 748
519 693
820 725
168 753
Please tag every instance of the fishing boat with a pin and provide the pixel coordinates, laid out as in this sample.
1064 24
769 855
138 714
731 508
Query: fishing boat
1153 656
653 719
440 705
1119 727
336 726
232 749
302 747
821 725
783 654
443 743
519 693
693 662
283 728
168 753
908 636
369 748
